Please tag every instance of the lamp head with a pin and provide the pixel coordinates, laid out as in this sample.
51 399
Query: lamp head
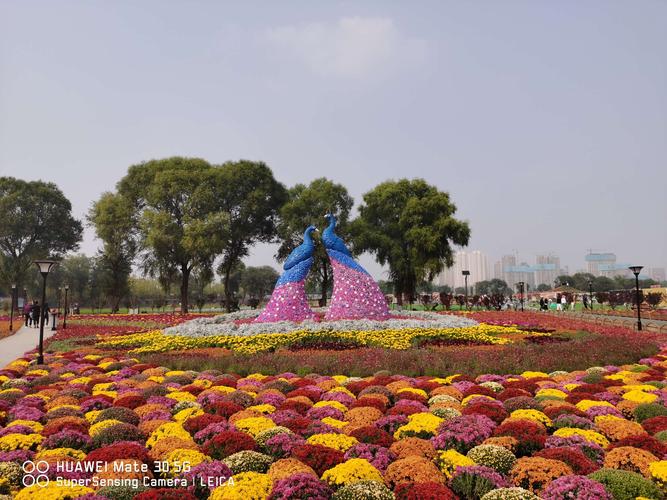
45 266
66 287
636 269
465 273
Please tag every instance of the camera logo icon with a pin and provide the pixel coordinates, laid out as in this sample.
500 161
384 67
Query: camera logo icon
40 478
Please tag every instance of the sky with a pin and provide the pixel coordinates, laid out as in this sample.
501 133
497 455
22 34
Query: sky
545 121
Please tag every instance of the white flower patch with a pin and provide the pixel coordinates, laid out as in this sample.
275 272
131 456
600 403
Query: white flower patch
225 324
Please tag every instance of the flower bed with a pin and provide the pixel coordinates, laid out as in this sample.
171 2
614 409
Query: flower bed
390 338
598 433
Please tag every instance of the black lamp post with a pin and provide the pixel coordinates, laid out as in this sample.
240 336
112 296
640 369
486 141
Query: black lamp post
465 276
11 311
65 316
636 270
45 267
590 292
521 285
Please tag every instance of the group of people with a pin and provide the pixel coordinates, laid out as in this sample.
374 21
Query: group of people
32 311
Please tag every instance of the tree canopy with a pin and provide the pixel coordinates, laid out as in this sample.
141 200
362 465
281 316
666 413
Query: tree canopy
306 205
35 222
410 226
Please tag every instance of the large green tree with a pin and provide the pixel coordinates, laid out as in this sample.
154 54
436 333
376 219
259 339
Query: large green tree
114 220
180 227
249 198
307 205
35 222
409 225
256 282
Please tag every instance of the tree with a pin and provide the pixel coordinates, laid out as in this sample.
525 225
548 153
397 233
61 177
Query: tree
250 198
493 287
653 299
257 282
603 284
307 205
35 222
543 287
115 224
176 211
74 271
409 225
564 279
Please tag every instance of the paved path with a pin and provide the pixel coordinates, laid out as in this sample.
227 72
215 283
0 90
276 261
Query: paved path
649 324
16 345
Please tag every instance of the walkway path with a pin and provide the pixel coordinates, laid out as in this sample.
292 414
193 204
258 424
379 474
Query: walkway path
648 324
16 345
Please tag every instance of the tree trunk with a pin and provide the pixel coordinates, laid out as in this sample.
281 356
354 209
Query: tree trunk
185 281
399 294
228 294
325 284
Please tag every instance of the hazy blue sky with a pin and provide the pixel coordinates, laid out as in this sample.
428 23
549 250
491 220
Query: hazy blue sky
545 120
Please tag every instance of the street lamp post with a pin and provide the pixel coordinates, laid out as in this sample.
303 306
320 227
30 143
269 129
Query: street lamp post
636 270
521 285
590 293
65 316
11 311
465 275
45 267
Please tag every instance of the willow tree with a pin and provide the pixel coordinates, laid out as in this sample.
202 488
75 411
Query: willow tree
409 225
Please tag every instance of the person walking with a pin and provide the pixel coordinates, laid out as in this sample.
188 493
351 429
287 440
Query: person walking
27 313
36 310
563 302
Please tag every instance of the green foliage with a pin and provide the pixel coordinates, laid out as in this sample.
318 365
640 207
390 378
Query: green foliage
470 485
249 198
307 205
409 225
114 221
257 282
175 214
492 287
35 222
625 485
649 410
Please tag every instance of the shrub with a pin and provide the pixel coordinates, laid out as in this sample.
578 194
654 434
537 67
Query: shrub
120 492
165 494
378 456
630 459
300 487
475 481
372 435
118 432
625 485
530 435
464 432
647 443
572 456
119 451
319 458
282 444
649 410
579 487
368 490
118 413
535 473
350 472
248 461
423 491
510 494
412 469
227 443
198 423
494 456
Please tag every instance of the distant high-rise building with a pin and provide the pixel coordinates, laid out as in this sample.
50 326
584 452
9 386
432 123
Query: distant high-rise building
594 261
474 261
547 269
